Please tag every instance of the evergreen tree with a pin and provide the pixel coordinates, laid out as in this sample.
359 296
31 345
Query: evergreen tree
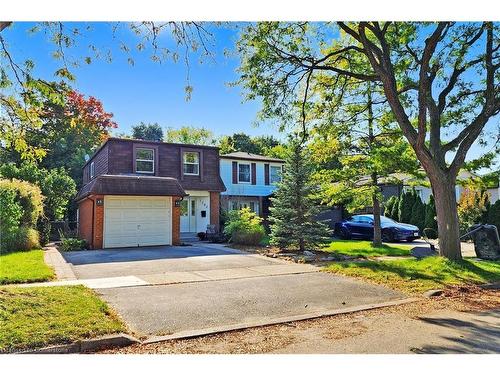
430 218
389 205
418 213
405 206
395 209
294 209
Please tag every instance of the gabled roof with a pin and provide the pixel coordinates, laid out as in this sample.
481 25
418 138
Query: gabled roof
240 155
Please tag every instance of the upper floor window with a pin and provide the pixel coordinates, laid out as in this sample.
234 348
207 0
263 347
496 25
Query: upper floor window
244 172
191 162
145 160
275 174
92 170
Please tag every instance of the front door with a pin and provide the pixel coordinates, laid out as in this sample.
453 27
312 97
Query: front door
188 214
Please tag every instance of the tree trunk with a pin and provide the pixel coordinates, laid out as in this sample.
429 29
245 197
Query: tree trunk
445 199
377 230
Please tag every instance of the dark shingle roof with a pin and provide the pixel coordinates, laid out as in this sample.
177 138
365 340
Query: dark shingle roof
132 185
248 156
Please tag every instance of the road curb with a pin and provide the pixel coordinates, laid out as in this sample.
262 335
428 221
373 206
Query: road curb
89 345
267 322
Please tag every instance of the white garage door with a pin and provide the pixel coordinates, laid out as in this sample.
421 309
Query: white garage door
137 221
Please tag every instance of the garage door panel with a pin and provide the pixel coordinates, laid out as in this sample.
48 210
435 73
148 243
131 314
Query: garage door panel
137 221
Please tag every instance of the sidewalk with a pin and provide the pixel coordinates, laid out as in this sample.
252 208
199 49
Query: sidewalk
55 260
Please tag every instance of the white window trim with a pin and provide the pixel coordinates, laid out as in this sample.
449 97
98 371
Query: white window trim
184 163
250 173
146 160
92 170
280 167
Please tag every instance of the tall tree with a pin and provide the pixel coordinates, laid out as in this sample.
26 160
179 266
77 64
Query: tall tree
148 132
190 135
440 81
261 145
295 204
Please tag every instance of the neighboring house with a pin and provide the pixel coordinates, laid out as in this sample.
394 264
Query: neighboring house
250 180
143 193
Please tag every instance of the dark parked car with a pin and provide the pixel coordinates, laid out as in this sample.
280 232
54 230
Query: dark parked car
361 226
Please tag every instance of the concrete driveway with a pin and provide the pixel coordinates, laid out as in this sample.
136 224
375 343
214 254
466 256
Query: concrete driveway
209 287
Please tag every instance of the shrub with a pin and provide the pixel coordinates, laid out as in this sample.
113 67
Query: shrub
72 244
389 205
430 218
418 213
21 205
471 208
405 206
244 227
43 226
24 238
493 216
395 210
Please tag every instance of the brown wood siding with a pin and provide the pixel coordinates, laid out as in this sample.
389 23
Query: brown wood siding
254 173
266 174
169 163
101 163
235 172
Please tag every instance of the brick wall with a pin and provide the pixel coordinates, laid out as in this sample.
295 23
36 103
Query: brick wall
176 223
214 208
86 222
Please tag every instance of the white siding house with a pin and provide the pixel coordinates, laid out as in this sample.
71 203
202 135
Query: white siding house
249 179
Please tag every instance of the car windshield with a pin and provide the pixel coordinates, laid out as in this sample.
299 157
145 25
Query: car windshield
386 220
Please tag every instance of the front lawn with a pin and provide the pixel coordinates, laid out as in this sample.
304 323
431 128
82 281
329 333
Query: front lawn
366 249
23 267
41 316
416 276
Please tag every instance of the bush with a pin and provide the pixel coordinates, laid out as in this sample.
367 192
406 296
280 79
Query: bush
21 205
395 210
418 213
389 206
244 227
493 215
405 206
471 208
43 226
73 244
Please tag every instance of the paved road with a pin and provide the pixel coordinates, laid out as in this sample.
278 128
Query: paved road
168 309
210 286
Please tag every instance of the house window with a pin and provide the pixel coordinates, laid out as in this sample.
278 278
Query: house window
92 170
191 162
275 174
244 173
145 160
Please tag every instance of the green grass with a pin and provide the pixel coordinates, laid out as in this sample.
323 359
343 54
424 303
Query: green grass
416 276
366 249
41 316
23 267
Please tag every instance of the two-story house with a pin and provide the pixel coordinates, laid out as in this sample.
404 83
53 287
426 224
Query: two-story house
142 193
249 179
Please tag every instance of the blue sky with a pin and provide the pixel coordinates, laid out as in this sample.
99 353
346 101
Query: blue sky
149 91
153 92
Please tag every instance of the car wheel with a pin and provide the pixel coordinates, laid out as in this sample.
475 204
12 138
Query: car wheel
344 234
387 236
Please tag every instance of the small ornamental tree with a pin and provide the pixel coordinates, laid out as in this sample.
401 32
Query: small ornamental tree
430 219
471 208
294 208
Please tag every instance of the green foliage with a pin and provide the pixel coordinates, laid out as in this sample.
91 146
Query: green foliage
261 145
389 205
190 135
493 215
72 244
406 202
56 185
148 132
24 267
471 208
21 205
430 219
294 206
244 227
395 209
418 213
43 226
